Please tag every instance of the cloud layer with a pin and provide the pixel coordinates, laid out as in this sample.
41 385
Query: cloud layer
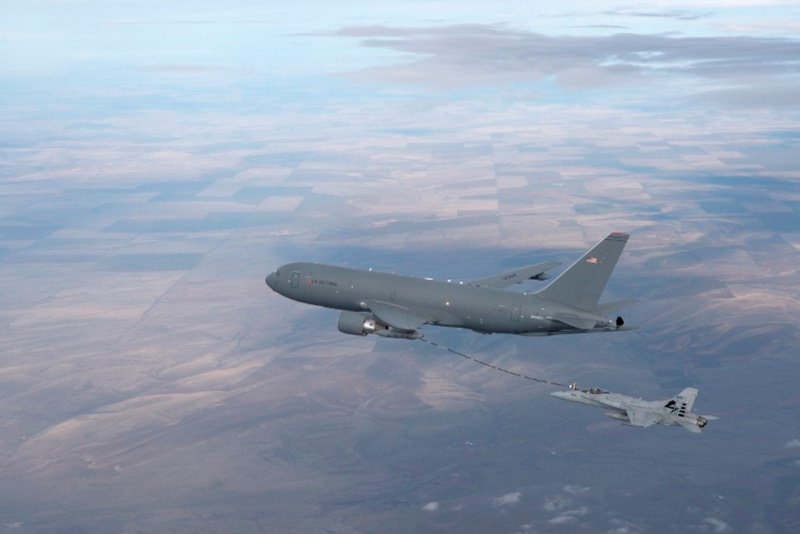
468 55
509 499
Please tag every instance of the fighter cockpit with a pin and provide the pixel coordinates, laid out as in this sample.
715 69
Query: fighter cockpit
593 391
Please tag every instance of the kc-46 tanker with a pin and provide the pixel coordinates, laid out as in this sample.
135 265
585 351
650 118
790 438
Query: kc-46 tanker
396 306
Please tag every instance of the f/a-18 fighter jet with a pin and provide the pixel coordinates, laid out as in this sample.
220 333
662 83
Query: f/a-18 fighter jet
396 306
677 411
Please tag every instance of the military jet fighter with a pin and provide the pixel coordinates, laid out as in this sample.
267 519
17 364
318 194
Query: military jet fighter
396 306
677 411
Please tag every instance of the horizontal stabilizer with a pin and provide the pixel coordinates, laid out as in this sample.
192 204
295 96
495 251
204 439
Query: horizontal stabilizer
575 321
396 316
499 281
691 426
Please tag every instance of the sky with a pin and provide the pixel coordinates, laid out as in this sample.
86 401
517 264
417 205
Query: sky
158 159
150 52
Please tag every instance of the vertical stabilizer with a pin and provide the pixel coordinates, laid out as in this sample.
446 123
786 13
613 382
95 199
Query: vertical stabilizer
582 284
682 403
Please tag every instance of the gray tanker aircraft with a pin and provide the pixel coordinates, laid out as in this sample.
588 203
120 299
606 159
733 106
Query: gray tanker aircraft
396 306
677 411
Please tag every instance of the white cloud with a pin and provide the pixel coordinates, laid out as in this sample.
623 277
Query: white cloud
509 499
556 503
793 444
563 519
502 53
575 489
623 527
431 506
717 524
570 516
678 14
483 55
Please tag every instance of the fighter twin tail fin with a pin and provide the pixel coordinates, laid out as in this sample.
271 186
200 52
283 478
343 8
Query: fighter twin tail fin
683 402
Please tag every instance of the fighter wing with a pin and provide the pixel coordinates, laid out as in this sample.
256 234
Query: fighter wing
518 276
642 416
396 316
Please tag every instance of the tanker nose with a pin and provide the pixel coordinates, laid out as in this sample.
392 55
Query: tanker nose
271 281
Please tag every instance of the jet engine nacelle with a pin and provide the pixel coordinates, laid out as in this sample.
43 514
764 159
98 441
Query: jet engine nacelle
618 416
361 324
357 324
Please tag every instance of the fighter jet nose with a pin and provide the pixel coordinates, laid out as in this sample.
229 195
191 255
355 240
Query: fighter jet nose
559 394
